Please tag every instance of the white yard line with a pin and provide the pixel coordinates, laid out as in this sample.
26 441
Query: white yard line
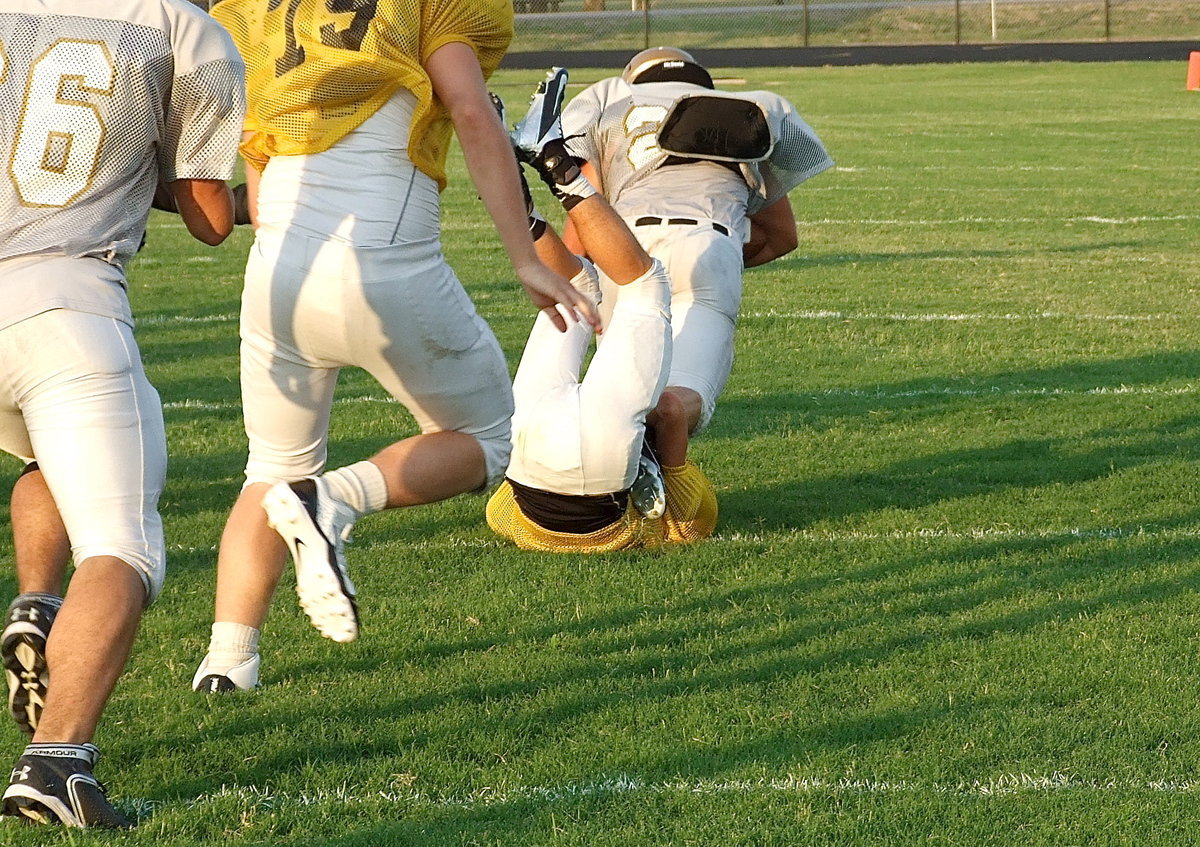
963 534
934 317
1003 785
857 393
1096 219
183 320
997 391
159 320
235 405
839 536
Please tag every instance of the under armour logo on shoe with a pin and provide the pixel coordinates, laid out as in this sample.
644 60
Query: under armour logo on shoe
21 773
31 614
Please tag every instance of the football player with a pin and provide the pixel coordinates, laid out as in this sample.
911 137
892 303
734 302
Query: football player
584 476
351 108
702 178
105 102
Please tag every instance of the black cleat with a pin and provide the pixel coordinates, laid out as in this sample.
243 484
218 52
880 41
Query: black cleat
53 784
23 652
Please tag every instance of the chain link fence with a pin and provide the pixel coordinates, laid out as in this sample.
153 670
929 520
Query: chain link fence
699 24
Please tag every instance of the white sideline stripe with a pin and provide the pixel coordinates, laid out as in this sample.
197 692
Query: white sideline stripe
933 317
986 391
1096 219
1004 785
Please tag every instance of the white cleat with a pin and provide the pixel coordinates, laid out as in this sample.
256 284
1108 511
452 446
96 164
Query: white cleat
315 525
542 123
241 677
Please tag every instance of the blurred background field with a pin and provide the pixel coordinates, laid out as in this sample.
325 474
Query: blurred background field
547 25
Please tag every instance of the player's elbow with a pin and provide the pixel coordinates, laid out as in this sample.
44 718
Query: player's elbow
210 225
212 236
206 207
784 241
473 119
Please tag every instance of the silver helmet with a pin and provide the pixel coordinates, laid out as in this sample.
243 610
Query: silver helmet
666 64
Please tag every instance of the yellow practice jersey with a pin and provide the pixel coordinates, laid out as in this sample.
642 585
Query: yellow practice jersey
316 69
691 515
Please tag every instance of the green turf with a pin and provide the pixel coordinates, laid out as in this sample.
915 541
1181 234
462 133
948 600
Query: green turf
953 595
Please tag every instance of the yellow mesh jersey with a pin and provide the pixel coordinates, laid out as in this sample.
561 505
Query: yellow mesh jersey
314 74
691 515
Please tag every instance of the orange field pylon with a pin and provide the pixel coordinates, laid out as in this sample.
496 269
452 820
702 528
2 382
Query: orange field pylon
1193 79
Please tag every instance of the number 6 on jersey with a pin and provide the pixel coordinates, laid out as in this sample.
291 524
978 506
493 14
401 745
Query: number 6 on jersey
59 133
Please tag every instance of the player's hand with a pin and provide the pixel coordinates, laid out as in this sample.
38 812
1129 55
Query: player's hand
557 298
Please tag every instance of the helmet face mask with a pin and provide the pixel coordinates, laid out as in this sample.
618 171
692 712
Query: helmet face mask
666 64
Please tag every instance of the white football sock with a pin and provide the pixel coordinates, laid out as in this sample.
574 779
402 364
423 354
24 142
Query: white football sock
360 486
587 281
230 645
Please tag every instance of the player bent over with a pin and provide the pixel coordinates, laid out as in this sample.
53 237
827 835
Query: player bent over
578 481
115 101
702 177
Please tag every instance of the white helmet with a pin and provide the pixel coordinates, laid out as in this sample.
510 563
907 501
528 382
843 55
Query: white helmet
666 64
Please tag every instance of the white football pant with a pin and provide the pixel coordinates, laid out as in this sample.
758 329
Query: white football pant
705 268
585 437
74 397
311 307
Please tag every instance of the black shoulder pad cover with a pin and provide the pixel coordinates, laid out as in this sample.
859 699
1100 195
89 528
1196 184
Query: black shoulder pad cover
725 129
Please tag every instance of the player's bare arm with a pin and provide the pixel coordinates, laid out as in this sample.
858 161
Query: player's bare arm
772 233
459 84
206 206
570 236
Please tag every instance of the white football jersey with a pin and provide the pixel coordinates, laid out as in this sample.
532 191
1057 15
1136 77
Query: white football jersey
614 125
98 103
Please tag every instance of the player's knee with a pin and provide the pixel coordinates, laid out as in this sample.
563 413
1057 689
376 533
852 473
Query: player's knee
694 407
671 406
152 573
273 470
147 561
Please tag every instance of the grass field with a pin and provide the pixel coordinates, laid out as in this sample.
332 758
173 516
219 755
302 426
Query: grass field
953 596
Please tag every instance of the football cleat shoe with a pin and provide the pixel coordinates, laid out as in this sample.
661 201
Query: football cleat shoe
53 783
316 525
649 491
241 677
23 651
538 141
542 123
